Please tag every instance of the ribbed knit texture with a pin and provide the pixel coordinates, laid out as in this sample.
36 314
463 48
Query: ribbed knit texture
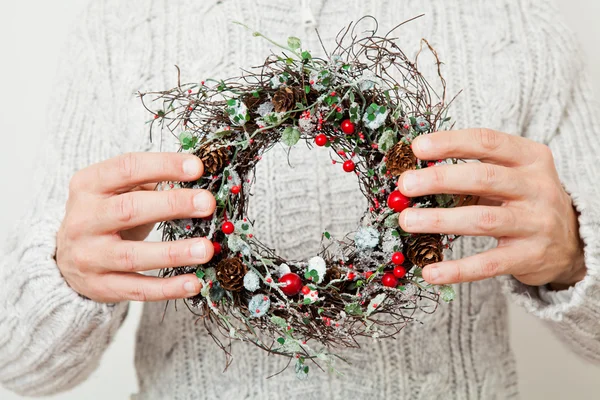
520 72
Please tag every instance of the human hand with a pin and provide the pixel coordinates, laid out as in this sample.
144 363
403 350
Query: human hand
112 206
526 208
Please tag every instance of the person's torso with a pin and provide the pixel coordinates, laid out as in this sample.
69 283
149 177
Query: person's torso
461 351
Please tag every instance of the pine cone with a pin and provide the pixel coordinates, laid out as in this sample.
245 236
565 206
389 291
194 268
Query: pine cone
214 158
333 273
425 249
285 98
400 158
230 273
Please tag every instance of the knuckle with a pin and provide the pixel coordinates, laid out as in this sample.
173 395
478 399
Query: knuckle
173 203
487 220
437 222
457 275
128 165
545 152
490 268
126 259
488 176
172 255
125 208
73 228
439 177
75 184
79 257
138 293
487 138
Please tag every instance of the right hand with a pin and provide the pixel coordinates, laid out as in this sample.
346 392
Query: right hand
112 206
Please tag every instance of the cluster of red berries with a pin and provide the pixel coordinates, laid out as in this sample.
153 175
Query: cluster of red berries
390 278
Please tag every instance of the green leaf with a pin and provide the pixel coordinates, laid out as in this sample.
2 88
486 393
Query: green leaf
392 221
447 293
290 136
294 43
320 310
396 234
306 55
281 341
307 89
307 300
279 321
199 273
387 140
231 102
353 309
327 235
255 94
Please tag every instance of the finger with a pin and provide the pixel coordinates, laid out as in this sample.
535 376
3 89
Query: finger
131 256
128 210
491 263
485 180
137 287
123 172
481 144
471 220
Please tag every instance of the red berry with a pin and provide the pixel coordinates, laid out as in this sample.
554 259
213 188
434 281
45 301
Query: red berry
227 228
351 275
399 271
348 166
347 127
368 274
389 280
305 290
292 284
397 258
397 201
235 189
217 247
321 140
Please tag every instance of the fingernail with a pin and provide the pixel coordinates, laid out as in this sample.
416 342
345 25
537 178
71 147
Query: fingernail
202 201
189 287
191 167
423 143
409 181
410 218
434 273
198 250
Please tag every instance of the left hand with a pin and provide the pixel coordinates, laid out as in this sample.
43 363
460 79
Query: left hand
523 205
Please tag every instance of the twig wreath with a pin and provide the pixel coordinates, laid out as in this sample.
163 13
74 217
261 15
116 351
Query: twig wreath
366 101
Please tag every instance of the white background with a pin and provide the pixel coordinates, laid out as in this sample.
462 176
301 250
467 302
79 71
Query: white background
32 33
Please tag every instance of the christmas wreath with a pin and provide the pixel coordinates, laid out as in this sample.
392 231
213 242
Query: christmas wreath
365 102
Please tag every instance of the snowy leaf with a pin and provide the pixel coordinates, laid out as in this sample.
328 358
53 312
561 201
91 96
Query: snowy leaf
290 136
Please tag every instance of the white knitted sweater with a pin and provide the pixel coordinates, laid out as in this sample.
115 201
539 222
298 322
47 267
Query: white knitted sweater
520 73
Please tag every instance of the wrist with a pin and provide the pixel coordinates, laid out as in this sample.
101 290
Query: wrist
575 274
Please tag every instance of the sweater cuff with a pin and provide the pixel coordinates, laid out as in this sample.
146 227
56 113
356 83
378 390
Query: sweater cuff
581 300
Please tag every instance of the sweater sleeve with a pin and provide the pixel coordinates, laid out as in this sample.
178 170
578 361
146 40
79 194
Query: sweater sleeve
51 338
566 118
